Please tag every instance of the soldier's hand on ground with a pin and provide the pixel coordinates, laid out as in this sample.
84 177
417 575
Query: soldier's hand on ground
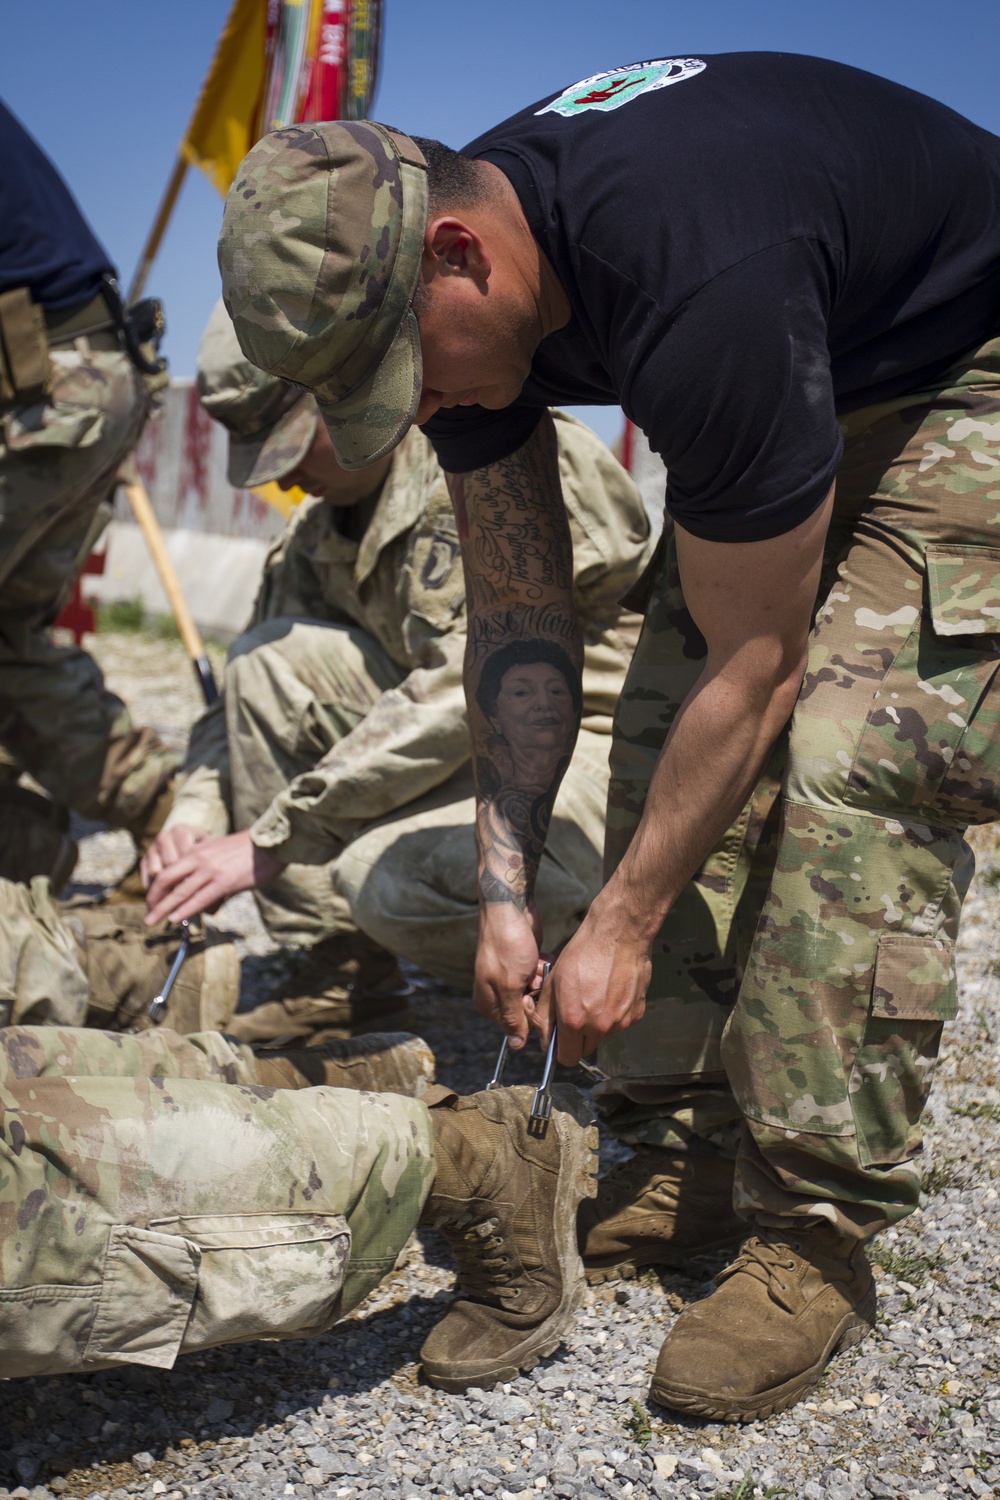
597 986
206 875
508 968
169 845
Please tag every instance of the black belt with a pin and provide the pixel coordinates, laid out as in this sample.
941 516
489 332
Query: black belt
91 320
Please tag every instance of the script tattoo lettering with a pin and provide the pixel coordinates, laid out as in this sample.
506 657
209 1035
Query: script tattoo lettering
523 659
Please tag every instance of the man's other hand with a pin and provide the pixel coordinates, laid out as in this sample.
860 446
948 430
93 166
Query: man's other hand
508 968
204 876
597 986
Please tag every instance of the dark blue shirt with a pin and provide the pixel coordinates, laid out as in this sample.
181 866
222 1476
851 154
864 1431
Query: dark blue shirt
750 243
45 242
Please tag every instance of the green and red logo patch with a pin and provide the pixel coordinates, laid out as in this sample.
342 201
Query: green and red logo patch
611 90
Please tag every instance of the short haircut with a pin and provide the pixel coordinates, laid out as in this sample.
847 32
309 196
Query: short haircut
524 654
453 180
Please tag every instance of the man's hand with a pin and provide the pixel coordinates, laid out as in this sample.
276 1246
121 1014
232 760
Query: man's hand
597 986
201 879
170 844
508 968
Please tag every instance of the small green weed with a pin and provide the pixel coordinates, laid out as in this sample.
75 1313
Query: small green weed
977 1110
163 627
905 1265
986 1024
128 617
637 1425
748 1488
940 1176
124 615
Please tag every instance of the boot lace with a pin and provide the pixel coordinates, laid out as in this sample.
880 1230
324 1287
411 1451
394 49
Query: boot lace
765 1260
486 1268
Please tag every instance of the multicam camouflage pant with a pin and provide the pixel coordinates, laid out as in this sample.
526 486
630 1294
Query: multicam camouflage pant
42 971
57 470
408 880
156 1200
801 982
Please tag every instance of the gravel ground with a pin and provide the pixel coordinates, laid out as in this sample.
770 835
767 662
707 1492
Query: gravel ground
914 1413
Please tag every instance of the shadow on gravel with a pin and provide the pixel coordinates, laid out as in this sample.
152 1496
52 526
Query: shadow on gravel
67 1425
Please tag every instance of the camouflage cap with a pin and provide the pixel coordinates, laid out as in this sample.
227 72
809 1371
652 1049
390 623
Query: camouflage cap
271 424
320 254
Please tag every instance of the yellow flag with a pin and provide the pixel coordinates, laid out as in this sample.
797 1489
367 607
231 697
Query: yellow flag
283 500
224 124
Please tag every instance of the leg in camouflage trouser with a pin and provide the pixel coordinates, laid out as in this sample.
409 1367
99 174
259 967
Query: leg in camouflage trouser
155 1199
801 982
57 472
101 966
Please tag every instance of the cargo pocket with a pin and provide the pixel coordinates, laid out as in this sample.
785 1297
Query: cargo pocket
147 1292
913 994
44 1329
263 1276
931 742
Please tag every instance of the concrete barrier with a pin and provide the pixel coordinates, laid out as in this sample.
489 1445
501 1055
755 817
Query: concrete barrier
217 536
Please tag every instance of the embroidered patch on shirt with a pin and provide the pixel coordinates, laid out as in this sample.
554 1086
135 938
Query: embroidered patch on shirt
610 90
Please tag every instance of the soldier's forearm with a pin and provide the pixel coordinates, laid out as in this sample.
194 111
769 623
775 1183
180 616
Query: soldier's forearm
523 659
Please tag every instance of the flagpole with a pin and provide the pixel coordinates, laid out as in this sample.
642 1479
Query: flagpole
159 229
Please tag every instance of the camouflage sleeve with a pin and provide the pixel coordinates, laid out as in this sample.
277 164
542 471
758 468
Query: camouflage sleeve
414 738
202 796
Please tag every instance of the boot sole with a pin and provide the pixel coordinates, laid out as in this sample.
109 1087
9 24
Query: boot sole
852 1330
577 1180
597 1271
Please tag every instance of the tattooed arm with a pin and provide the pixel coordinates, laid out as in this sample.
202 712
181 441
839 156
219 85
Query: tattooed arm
522 678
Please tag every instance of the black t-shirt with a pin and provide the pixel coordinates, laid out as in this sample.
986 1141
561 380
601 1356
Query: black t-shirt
45 242
750 243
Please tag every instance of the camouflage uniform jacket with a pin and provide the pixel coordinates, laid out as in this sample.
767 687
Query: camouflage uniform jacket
403 584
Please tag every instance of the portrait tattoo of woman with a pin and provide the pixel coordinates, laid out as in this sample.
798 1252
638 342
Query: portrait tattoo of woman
529 695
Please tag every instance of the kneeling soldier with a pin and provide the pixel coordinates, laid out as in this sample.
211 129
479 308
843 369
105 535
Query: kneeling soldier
340 750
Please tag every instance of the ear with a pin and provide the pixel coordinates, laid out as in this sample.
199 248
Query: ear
452 248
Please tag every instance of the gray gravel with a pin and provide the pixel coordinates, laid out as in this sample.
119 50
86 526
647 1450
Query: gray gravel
914 1413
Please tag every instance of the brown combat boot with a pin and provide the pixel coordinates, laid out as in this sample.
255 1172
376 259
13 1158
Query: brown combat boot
789 1302
660 1208
506 1199
345 986
385 1063
127 964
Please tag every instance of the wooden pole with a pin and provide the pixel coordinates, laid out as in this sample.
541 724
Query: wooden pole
158 230
143 511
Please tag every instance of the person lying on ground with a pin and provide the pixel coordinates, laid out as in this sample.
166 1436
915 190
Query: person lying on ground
161 1195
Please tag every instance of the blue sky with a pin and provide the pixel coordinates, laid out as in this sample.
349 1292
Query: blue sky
107 86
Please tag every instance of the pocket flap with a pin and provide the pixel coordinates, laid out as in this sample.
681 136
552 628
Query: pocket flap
914 978
253 1231
964 585
147 1292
